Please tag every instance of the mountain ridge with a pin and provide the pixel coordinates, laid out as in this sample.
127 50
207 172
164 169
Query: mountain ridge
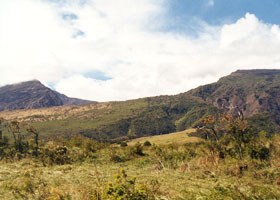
33 94
252 91
255 93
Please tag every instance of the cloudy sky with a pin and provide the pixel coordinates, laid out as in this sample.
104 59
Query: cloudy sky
107 50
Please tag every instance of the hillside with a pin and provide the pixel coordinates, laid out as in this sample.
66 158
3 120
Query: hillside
33 94
254 92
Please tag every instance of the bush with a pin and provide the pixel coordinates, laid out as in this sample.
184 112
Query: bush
172 156
231 136
137 149
123 144
59 155
4 146
115 157
147 143
123 188
87 144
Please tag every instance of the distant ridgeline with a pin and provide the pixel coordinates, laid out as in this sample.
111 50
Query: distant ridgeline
254 93
33 94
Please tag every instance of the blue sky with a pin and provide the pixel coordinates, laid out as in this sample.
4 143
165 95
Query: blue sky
185 15
123 49
217 12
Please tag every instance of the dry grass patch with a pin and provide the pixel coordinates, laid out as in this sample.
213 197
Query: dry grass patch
179 138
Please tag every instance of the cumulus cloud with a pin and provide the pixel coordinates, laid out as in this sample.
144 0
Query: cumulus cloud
62 42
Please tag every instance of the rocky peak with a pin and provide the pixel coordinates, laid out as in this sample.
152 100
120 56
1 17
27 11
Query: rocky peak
33 94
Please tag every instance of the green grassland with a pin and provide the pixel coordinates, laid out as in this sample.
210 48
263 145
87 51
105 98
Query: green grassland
116 121
176 166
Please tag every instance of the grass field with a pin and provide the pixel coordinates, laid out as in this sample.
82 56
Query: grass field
178 138
176 166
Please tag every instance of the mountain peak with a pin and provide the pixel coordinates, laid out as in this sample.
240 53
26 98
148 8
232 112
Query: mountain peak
257 71
33 94
29 81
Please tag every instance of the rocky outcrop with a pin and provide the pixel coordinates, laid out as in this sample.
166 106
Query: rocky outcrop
251 91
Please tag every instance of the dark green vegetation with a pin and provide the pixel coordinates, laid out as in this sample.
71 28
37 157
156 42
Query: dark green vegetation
131 119
115 121
253 93
235 162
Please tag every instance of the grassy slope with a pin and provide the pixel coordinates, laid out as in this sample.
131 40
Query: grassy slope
74 119
105 121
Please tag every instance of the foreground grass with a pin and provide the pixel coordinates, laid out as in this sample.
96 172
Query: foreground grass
170 171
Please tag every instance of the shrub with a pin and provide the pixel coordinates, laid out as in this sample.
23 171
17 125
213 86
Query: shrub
231 136
4 146
171 156
123 144
137 149
84 143
147 143
123 188
59 155
115 156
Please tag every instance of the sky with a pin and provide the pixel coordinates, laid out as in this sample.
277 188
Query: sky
111 50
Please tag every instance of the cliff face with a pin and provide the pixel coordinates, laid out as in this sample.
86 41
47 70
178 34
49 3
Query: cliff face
33 94
251 91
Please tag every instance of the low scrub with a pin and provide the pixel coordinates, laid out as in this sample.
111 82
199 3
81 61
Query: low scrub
125 188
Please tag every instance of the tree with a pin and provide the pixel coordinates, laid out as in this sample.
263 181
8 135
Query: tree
2 121
14 128
231 135
35 132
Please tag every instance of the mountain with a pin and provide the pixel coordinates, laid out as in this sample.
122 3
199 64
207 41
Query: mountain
252 91
33 94
255 93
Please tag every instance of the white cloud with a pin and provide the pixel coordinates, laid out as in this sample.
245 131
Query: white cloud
121 39
211 3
